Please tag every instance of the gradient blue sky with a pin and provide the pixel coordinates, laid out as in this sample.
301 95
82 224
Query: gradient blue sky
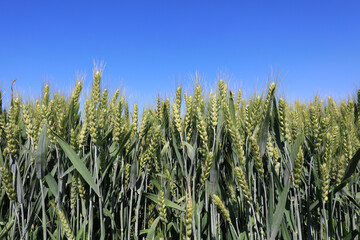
151 46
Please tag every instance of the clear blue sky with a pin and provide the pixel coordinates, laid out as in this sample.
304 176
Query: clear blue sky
151 46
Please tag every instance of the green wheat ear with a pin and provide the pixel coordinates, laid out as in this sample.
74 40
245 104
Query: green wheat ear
189 214
299 162
7 183
162 207
240 176
224 211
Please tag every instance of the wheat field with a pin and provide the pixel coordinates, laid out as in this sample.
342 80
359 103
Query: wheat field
204 165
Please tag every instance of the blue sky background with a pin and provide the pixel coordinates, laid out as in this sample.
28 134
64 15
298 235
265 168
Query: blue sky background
151 46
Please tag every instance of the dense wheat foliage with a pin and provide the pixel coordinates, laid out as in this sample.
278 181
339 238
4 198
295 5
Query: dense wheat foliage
204 165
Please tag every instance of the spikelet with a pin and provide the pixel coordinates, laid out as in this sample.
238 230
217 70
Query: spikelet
76 93
276 155
189 213
144 158
294 120
126 114
188 115
220 205
49 116
165 117
45 99
256 157
115 97
158 107
323 129
206 168
201 127
96 87
334 137
73 197
271 149
214 111
28 122
254 118
171 182
268 98
117 121
135 118
176 115
232 192
347 147
143 124
238 100
327 149
7 183
81 188
240 176
60 117
269 146
298 167
82 135
247 122
151 208
222 92
197 95
151 152
283 120
178 98
104 98
307 123
103 110
237 141
127 174
325 181
239 149
340 169
66 225
12 129
73 142
2 127
93 126
315 126
162 207
228 120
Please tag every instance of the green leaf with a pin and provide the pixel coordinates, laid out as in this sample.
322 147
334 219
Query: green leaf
133 174
351 235
71 168
152 229
181 162
352 165
1 159
190 151
50 180
168 203
7 227
264 132
165 148
42 149
276 125
78 164
279 212
19 186
114 155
